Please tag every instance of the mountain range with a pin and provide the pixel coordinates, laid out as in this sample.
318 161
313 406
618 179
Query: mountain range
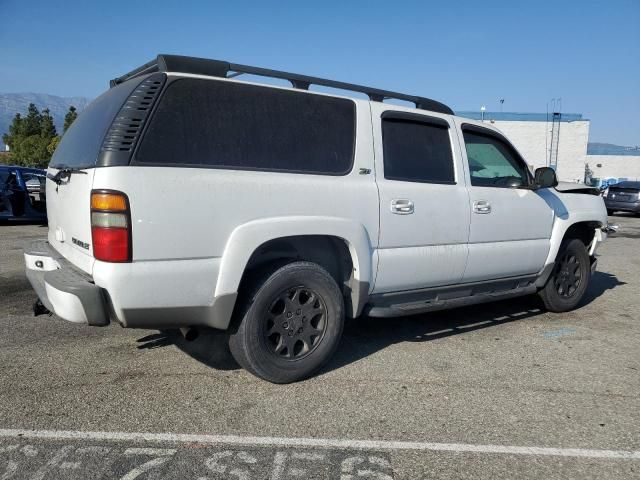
12 103
596 148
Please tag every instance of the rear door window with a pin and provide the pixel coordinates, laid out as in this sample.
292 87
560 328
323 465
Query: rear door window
416 151
208 123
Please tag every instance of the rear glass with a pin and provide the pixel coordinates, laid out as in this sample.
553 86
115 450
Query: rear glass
625 185
80 144
246 127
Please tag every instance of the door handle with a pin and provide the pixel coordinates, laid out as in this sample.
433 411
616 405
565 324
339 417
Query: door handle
481 206
402 206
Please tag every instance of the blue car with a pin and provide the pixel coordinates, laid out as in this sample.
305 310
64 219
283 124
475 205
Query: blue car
22 193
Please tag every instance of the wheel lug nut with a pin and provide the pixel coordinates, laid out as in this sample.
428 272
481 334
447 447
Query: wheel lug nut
285 325
298 312
288 314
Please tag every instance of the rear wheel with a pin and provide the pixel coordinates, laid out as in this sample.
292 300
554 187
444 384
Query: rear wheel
569 279
289 323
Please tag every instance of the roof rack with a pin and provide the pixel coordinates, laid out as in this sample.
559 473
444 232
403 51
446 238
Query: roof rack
218 68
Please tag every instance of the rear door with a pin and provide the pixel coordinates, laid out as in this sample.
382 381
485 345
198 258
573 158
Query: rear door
424 203
511 224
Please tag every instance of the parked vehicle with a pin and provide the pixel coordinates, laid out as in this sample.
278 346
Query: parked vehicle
22 193
185 198
623 197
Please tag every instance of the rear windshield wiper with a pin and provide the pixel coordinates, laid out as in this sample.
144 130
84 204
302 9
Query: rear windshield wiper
64 172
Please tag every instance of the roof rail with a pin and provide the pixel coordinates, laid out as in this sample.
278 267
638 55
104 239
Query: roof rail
218 68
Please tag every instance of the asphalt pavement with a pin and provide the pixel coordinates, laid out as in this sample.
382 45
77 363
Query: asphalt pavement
494 391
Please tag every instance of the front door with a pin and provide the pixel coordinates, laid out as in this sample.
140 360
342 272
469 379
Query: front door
511 223
424 204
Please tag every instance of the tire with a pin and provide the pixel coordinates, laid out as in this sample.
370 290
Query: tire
289 322
610 212
570 277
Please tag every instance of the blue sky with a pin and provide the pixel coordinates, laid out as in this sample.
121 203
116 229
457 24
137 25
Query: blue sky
465 53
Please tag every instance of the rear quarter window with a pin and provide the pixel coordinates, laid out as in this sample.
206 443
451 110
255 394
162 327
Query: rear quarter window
208 123
81 143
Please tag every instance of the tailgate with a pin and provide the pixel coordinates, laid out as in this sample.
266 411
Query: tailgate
69 214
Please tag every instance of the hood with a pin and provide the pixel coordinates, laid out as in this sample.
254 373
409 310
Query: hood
572 187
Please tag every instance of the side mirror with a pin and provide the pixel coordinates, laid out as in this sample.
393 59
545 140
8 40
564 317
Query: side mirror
545 177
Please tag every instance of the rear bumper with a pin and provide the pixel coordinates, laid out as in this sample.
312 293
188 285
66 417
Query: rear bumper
622 206
62 289
135 295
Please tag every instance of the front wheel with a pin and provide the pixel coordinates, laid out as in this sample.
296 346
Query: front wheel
569 279
289 322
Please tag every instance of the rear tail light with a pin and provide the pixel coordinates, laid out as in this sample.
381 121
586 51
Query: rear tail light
110 226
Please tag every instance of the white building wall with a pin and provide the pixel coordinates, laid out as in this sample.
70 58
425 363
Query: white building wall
615 166
532 139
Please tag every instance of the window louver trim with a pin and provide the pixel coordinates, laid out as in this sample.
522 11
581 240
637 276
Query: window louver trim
126 128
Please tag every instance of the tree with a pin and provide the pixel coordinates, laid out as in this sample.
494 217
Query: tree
47 127
71 115
32 123
31 151
53 144
30 136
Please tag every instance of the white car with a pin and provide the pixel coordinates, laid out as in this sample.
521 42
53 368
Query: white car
184 197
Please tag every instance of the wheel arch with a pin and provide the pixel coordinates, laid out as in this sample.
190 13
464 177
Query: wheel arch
580 226
341 246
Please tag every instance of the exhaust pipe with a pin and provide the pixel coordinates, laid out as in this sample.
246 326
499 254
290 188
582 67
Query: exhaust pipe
40 309
189 333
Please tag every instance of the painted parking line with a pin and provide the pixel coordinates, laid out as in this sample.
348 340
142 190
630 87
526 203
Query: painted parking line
252 441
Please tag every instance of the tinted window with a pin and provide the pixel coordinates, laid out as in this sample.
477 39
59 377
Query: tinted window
416 151
238 126
493 163
626 185
81 143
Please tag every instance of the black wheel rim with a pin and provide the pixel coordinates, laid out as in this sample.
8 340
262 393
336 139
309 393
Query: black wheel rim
296 323
568 275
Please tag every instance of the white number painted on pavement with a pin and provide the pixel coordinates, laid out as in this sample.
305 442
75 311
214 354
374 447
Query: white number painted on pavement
280 459
213 464
351 468
162 456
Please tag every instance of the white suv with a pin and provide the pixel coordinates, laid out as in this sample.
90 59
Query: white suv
184 197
